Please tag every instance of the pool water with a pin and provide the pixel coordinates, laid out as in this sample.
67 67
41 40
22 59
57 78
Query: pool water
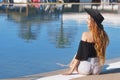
34 44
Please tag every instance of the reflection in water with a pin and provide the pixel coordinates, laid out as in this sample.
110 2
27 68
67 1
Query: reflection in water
26 32
65 37
62 36
35 16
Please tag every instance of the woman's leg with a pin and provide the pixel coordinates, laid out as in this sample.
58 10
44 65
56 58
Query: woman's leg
84 67
95 65
97 70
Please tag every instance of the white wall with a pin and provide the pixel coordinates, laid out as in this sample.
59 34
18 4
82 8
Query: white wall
20 1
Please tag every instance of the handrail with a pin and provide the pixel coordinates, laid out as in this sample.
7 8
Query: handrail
61 3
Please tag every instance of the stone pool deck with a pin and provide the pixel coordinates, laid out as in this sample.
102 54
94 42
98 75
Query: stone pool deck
106 75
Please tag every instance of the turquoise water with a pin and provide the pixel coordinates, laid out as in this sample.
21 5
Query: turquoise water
34 44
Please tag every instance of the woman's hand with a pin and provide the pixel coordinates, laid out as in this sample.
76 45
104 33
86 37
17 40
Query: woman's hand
67 73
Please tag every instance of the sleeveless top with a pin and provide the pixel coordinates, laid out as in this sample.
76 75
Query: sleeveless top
85 50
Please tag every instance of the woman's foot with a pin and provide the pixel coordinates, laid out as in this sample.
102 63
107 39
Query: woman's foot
67 73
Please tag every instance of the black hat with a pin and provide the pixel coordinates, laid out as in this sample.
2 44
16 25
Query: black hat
95 14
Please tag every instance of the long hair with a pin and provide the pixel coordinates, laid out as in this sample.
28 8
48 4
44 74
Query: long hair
101 40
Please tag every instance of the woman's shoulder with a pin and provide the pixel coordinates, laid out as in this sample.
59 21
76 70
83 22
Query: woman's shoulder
84 36
86 33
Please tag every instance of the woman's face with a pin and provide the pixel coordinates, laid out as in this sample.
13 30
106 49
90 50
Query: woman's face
89 21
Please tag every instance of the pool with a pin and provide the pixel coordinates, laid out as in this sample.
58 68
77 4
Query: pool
34 43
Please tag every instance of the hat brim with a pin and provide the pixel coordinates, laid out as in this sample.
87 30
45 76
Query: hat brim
92 12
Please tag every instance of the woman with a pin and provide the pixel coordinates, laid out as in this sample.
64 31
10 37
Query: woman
90 56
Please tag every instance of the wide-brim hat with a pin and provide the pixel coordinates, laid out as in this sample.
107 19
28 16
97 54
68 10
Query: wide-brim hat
98 18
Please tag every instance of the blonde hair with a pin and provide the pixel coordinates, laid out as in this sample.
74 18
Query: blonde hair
101 40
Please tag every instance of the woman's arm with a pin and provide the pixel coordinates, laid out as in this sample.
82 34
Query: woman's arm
82 38
72 62
75 62
74 65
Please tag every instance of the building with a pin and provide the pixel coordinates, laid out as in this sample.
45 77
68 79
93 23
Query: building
93 1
